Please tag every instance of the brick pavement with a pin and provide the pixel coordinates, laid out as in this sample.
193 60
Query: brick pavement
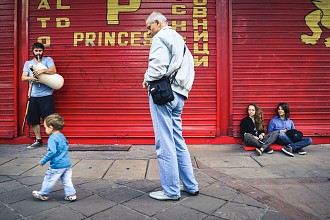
234 184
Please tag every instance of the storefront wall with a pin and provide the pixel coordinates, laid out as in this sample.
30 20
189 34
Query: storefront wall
281 54
244 52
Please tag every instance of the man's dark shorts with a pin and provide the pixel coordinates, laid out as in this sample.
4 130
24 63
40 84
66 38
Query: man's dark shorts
40 107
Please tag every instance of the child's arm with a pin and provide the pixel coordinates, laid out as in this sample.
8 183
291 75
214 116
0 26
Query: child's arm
51 151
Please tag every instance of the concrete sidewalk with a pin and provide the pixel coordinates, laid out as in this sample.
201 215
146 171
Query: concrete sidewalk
234 184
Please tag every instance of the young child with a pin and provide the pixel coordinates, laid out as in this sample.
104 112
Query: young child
60 164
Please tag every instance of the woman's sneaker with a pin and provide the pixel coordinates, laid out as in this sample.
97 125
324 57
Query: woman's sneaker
268 151
71 198
301 151
288 150
37 195
259 151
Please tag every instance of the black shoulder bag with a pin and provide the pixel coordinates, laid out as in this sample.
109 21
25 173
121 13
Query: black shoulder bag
161 90
294 135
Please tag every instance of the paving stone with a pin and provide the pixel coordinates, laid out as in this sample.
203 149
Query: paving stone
153 171
146 205
127 169
18 166
98 186
293 194
5 179
260 172
10 185
212 218
31 180
32 206
16 195
119 212
5 160
81 194
181 212
220 191
239 211
202 179
79 180
322 189
274 215
144 185
218 161
120 194
91 168
57 213
6 213
91 205
244 199
40 170
203 203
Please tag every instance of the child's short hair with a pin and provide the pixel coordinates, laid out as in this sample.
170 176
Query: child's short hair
55 120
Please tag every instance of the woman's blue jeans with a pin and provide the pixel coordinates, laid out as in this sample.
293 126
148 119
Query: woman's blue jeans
174 161
283 139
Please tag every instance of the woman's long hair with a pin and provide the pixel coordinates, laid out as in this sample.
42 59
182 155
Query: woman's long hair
258 117
286 109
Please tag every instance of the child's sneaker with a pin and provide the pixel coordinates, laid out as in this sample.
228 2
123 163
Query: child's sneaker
37 195
71 198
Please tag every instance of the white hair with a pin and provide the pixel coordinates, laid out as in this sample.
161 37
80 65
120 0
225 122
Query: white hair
157 16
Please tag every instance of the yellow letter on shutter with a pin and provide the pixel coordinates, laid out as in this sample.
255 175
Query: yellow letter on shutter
60 6
113 9
43 4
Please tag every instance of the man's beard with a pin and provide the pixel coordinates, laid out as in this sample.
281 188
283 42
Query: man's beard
38 56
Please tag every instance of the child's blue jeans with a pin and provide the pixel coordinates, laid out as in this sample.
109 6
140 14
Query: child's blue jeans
51 177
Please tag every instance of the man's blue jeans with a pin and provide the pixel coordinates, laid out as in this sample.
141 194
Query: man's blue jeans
51 177
283 139
174 161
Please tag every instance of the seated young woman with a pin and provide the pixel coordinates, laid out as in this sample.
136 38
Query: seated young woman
281 123
253 133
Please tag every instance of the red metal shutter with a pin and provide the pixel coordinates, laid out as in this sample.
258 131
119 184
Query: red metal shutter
7 77
103 63
272 64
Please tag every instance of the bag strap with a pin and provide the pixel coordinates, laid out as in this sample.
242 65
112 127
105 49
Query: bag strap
172 76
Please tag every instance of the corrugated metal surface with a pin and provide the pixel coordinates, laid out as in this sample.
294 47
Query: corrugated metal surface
7 78
271 64
103 64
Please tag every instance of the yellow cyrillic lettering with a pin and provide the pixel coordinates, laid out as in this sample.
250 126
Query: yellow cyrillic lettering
203 35
182 26
203 24
205 48
175 10
197 2
204 60
199 12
